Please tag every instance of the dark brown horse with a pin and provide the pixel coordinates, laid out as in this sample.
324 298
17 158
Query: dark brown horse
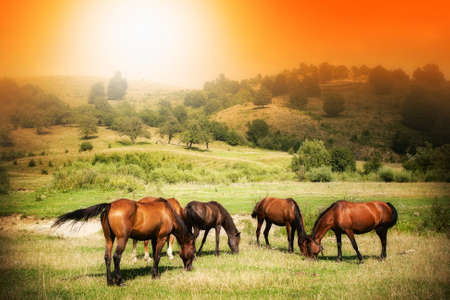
125 218
204 216
352 218
178 209
281 212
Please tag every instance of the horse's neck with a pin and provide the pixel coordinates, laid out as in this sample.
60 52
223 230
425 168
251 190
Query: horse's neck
228 224
179 230
322 227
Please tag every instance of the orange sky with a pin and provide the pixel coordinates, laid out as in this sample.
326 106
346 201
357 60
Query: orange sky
185 43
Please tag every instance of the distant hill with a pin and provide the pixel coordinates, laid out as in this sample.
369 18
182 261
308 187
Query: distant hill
74 90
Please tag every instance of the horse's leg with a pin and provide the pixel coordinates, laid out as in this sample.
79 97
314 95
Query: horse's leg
121 243
352 240
108 250
203 241
169 246
338 234
258 230
157 245
146 253
217 239
288 231
382 233
266 233
133 253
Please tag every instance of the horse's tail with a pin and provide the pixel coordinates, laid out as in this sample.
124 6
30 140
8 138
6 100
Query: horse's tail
394 215
299 220
82 215
254 213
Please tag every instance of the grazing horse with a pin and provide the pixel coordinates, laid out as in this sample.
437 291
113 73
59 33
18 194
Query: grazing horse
178 209
281 212
125 218
352 218
204 216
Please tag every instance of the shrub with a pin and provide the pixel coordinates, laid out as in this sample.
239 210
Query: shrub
86 146
298 99
438 218
320 174
235 138
257 129
373 164
31 163
333 105
311 154
403 176
342 159
386 174
4 181
44 172
5 135
50 164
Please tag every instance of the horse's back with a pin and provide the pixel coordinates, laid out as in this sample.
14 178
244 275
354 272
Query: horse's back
121 216
278 211
176 206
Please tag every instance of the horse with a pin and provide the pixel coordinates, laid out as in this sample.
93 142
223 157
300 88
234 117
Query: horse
281 212
126 218
178 209
204 216
352 218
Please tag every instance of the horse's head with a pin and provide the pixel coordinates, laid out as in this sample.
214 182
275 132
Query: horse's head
233 241
187 253
312 248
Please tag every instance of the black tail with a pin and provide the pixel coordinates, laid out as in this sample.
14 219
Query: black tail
394 215
82 215
254 210
299 219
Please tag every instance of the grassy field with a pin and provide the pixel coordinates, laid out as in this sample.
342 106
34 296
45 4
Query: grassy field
40 264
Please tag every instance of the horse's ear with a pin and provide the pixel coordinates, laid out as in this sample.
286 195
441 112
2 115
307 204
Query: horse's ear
238 234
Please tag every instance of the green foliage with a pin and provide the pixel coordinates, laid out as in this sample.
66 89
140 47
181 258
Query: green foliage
235 138
12 155
298 99
401 142
419 109
311 154
86 146
117 87
342 159
279 141
4 181
197 132
170 128
326 72
386 174
433 162
380 80
97 91
44 172
438 218
5 135
429 77
88 124
129 126
404 176
320 174
263 97
257 129
333 105
195 99
373 164
31 163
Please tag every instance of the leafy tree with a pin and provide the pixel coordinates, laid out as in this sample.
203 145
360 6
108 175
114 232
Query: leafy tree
311 86
257 129
341 72
219 131
429 77
419 109
195 99
333 105
4 181
373 164
401 142
298 99
326 72
263 97
196 133
86 146
97 92
235 138
117 87
5 135
150 117
280 85
342 159
40 120
88 124
129 126
180 113
311 154
170 128
380 80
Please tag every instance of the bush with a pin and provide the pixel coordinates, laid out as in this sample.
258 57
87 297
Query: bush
257 129
5 135
386 174
438 218
86 146
298 99
321 174
342 159
235 138
31 163
311 154
44 172
4 181
333 105
373 164
403 176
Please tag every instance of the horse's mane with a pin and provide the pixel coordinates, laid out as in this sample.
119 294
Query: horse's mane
178 219
228 220
320 217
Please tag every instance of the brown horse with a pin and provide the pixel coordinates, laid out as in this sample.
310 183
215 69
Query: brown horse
204 216
125 218
281 212
178 209
352 218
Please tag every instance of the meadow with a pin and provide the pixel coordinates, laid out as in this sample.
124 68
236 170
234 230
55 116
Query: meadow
44 264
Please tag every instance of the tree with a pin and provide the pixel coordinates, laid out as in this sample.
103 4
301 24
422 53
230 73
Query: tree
263 97
429 77
97 92
326 72
380 80
257 129
341 72
311 154
333 105
298 99
196 133
170 128
180 113
311 86
342 159
419 109
280 85
5 135
195 99
117 87
88 124
129 126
